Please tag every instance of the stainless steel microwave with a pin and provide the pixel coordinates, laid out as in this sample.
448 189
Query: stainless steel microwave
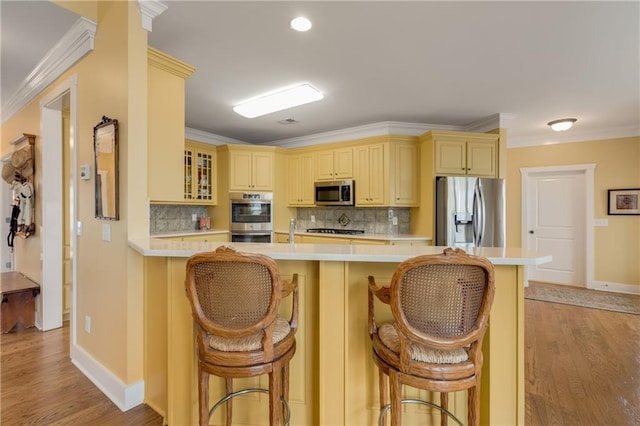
335 193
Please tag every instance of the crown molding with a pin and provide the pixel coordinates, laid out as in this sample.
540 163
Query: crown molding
500 120
73 46
210 138
149 9
360 132
168 63
552 138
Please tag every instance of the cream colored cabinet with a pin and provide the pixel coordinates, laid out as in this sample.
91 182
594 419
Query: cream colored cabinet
334 164
473 154
220 238
301 178
200 179
404 174
165 151
250 170
312 239
370 175
282 237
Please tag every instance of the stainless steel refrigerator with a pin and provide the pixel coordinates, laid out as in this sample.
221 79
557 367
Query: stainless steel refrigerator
470 211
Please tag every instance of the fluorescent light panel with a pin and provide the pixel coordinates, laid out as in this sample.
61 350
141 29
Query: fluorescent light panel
279 100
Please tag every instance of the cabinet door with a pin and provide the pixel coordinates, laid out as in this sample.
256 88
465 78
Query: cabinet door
376 174
324 240
294 170
324 165
189 161
262 171
343 163
240 164
362 176
450 157
406 175
204 178
481 158
307 177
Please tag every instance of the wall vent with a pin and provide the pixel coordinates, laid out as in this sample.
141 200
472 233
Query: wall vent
288 121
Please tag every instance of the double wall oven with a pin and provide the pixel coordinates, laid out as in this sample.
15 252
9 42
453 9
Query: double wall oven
251 217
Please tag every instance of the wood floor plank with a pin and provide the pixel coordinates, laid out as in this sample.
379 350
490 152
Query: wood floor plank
40 386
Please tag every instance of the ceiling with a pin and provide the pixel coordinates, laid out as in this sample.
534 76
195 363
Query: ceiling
432 63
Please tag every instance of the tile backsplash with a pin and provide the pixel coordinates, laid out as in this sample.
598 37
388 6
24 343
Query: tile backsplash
373 220
170 217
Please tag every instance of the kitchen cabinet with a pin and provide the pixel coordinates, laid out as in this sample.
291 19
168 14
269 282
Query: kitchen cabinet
370 174
166 105
386 174
335 164
472 154
221 238
301 178
313 239
200 179
250 170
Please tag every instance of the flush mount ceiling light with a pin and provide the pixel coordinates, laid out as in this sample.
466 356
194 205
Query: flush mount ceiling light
301 24
278 100
562 124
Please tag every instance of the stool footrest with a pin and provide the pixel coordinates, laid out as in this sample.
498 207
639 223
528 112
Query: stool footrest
245 391
387 407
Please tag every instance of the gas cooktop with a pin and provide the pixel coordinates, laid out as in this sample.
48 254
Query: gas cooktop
335 231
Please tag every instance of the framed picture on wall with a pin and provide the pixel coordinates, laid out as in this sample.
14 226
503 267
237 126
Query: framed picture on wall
624 201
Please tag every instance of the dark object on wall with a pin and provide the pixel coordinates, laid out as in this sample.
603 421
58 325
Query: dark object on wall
13 226
623 201
105 144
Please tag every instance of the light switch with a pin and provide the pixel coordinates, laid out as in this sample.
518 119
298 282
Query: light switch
601 222
106 232
79 228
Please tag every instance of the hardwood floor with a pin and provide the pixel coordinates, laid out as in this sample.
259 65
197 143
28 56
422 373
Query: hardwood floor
582 367
40 386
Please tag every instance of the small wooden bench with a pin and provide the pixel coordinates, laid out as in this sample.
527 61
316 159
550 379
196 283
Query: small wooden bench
18 305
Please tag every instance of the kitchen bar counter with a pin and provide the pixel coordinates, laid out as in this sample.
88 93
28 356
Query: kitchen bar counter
333 378
192 233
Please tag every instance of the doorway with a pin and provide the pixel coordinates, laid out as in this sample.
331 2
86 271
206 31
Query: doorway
58 113
557 212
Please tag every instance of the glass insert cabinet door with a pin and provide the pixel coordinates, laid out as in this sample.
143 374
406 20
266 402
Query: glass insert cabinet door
198 175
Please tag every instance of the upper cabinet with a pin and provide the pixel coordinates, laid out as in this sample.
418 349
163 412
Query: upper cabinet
458 153
250 168
386 173
334 164
301 178
165 135
200 180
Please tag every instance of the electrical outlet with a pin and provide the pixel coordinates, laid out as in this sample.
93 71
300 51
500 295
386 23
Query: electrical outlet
194 217
87 324
395 220
79 228
600 222
313 218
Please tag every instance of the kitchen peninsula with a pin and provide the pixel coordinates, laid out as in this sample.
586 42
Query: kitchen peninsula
333 380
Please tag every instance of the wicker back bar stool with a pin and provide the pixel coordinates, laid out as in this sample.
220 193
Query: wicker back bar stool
440 306
234 300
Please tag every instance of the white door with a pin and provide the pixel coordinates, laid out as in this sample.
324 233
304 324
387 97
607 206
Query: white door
556 223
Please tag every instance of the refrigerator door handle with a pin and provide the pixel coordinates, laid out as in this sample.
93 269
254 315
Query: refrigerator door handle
479 215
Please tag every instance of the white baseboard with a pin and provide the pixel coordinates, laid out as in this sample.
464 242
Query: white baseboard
614 287
122 395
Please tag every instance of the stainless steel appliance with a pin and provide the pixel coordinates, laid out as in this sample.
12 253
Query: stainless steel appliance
470 211
335 193
251 216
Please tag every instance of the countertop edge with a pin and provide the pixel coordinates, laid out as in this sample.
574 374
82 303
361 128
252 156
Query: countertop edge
157 247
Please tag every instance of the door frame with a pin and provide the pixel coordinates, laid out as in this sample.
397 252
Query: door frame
51 107
588 171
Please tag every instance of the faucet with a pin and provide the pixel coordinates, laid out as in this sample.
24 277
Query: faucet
292 230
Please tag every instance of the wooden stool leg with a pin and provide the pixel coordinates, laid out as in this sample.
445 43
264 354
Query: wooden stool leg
228 384
396 398
474 405
285 385
275 387
444 403
203 395
383 385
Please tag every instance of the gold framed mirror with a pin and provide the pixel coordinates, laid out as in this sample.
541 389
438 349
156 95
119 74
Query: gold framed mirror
105 145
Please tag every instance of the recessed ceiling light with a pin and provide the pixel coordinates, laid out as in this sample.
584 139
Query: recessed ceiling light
278 100
562 124
301 24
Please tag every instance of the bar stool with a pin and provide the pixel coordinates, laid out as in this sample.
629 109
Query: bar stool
234 300
440 306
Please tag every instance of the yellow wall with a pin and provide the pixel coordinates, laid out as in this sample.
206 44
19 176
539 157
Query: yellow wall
111 80
617 246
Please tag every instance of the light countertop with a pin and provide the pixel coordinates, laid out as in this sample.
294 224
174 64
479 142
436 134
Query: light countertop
332 252
193 233
380 237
